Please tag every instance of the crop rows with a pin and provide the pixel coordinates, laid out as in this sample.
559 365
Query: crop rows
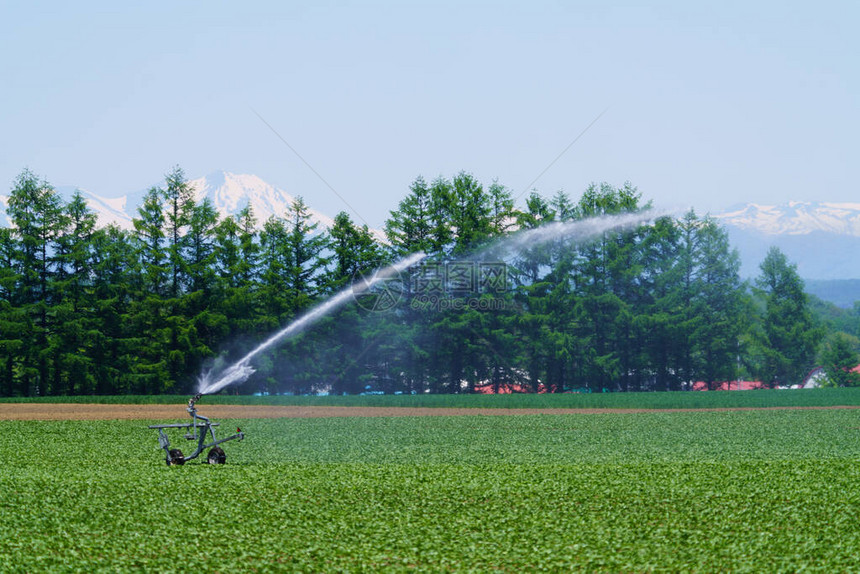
757 491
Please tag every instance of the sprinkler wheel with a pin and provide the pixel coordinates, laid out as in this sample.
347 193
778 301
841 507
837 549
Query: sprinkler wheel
216 456
176 457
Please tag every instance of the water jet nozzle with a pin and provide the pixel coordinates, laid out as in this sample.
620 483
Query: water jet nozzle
194 399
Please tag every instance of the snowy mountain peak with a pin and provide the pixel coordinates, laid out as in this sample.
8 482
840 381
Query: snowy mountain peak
794 218
230 193
107 209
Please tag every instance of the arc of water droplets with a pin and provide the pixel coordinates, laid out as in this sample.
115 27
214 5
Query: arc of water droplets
578 230
242 369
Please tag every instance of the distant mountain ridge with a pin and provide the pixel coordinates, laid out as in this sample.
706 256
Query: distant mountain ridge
794 218
841 292
821 238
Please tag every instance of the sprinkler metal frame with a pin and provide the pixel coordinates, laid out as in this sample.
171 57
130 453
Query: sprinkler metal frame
201 427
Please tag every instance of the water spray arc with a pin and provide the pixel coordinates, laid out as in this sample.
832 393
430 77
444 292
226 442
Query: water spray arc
211 382
576 231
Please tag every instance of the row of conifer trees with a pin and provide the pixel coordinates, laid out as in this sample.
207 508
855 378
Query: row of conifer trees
101 310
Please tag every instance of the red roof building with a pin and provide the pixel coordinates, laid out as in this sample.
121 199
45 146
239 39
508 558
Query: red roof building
730 386
509 389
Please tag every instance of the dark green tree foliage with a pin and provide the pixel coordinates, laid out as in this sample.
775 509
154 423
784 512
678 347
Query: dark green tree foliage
73 335
149 235
839 358
208 325
502 212
13 324
538 211
718 305
354 251
200 247
411 226
35 210
661 317
179 202
237 253
275 262
85 309
788 335
471 221
117 281
306 259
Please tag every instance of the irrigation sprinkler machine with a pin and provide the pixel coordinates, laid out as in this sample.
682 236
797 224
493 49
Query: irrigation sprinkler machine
198 430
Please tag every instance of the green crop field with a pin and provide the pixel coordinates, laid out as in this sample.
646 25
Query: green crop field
769 490
671 400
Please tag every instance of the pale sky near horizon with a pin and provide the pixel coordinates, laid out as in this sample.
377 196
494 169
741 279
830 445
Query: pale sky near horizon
707 105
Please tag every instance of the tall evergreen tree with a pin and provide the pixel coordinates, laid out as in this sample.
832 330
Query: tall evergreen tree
275 263
604 269
9 277
354 250
789 336
248 246
207 325
13 324
719 306
501 206
148 316
117 282
35 210
179 198
441 217
227 251
662 321
200 247
71 360
562 206
149 230
410 227
470 213
306 259
237 253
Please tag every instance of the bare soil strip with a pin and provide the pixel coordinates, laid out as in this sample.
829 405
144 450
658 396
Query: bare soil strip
65 411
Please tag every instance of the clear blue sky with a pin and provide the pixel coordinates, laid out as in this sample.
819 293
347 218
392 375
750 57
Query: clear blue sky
710 104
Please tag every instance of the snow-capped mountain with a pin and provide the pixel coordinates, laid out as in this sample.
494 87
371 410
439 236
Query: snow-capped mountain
229 193
116 210
795 218
821 238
